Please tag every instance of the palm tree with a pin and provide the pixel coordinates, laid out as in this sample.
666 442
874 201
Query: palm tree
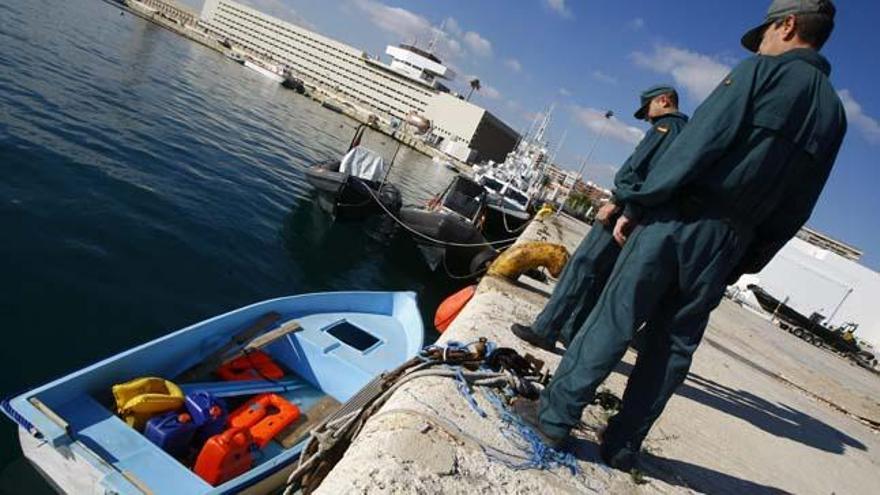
475 86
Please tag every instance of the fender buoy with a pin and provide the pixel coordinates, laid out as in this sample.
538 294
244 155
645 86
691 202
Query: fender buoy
451 307
528 255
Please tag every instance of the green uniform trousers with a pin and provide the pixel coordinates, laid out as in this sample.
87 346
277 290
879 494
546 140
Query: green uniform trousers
579 287
671 273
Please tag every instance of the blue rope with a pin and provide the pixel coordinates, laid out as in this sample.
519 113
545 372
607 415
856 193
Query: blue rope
465 391
540 455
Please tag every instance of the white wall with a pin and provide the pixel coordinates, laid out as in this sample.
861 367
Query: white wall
452 116
817 280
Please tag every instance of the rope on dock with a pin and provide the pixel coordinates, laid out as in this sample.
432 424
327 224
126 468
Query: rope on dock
477 364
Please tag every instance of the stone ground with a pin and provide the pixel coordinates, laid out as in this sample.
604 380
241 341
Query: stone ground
754 416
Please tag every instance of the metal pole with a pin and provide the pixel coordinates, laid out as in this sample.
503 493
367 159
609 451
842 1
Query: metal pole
845 296
388 172
608 116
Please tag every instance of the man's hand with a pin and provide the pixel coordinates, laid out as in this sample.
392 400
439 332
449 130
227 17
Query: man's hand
605 213
623 228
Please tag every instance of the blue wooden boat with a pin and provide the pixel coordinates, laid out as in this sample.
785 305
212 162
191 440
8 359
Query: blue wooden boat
68 429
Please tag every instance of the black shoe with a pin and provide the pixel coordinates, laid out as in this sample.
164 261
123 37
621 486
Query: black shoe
623 459
527 410
525 332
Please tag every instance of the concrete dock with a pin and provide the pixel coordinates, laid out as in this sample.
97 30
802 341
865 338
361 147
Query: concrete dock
761 412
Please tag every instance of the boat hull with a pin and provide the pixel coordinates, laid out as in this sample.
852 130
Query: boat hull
263 71
294 84
349 198
504 223
432 226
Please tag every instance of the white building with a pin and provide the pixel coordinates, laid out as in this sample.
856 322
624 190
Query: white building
817 280
411 83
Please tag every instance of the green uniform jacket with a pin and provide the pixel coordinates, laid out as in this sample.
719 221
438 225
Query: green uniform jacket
647 153
758 151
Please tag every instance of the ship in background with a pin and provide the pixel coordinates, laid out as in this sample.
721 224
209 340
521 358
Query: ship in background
514 184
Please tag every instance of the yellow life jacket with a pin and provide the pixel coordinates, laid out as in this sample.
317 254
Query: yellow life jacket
142 398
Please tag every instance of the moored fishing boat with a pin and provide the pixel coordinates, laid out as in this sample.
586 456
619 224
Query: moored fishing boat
292 82
355 187
266 72
508 209
326 347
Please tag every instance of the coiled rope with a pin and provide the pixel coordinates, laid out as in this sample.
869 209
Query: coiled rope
455 361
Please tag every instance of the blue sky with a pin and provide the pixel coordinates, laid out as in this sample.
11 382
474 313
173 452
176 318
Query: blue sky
587 56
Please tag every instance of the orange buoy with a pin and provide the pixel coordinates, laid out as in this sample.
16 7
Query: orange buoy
451 307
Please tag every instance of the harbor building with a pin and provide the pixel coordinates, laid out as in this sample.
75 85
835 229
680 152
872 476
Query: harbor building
823 241
412 83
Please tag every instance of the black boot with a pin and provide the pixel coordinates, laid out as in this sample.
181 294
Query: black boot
622 459
525 333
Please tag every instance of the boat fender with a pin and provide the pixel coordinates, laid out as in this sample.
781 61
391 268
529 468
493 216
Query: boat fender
142 398
225 456
264 416
545 211
255 365
529 255
451 307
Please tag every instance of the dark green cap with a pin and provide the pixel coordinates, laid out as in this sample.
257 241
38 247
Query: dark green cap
648 95
782 8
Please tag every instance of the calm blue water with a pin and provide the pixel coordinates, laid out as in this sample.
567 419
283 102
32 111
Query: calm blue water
147 183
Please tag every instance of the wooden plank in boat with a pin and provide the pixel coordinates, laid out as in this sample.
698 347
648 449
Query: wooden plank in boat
267 338
316 414
238 341
52 415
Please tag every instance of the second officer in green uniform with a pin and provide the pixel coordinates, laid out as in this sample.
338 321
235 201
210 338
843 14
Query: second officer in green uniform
587 271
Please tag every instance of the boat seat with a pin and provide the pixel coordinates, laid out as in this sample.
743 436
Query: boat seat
102 432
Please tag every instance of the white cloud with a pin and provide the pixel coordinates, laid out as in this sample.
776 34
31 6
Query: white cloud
451 26
636 24
396 20
699 74
560 8
490 92
513 64
479 45
564 92
603 77
595 121
856 116
406 25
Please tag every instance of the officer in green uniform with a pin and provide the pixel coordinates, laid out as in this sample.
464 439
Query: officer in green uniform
587 271
736 185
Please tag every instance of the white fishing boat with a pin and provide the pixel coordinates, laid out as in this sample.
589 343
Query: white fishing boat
273 74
